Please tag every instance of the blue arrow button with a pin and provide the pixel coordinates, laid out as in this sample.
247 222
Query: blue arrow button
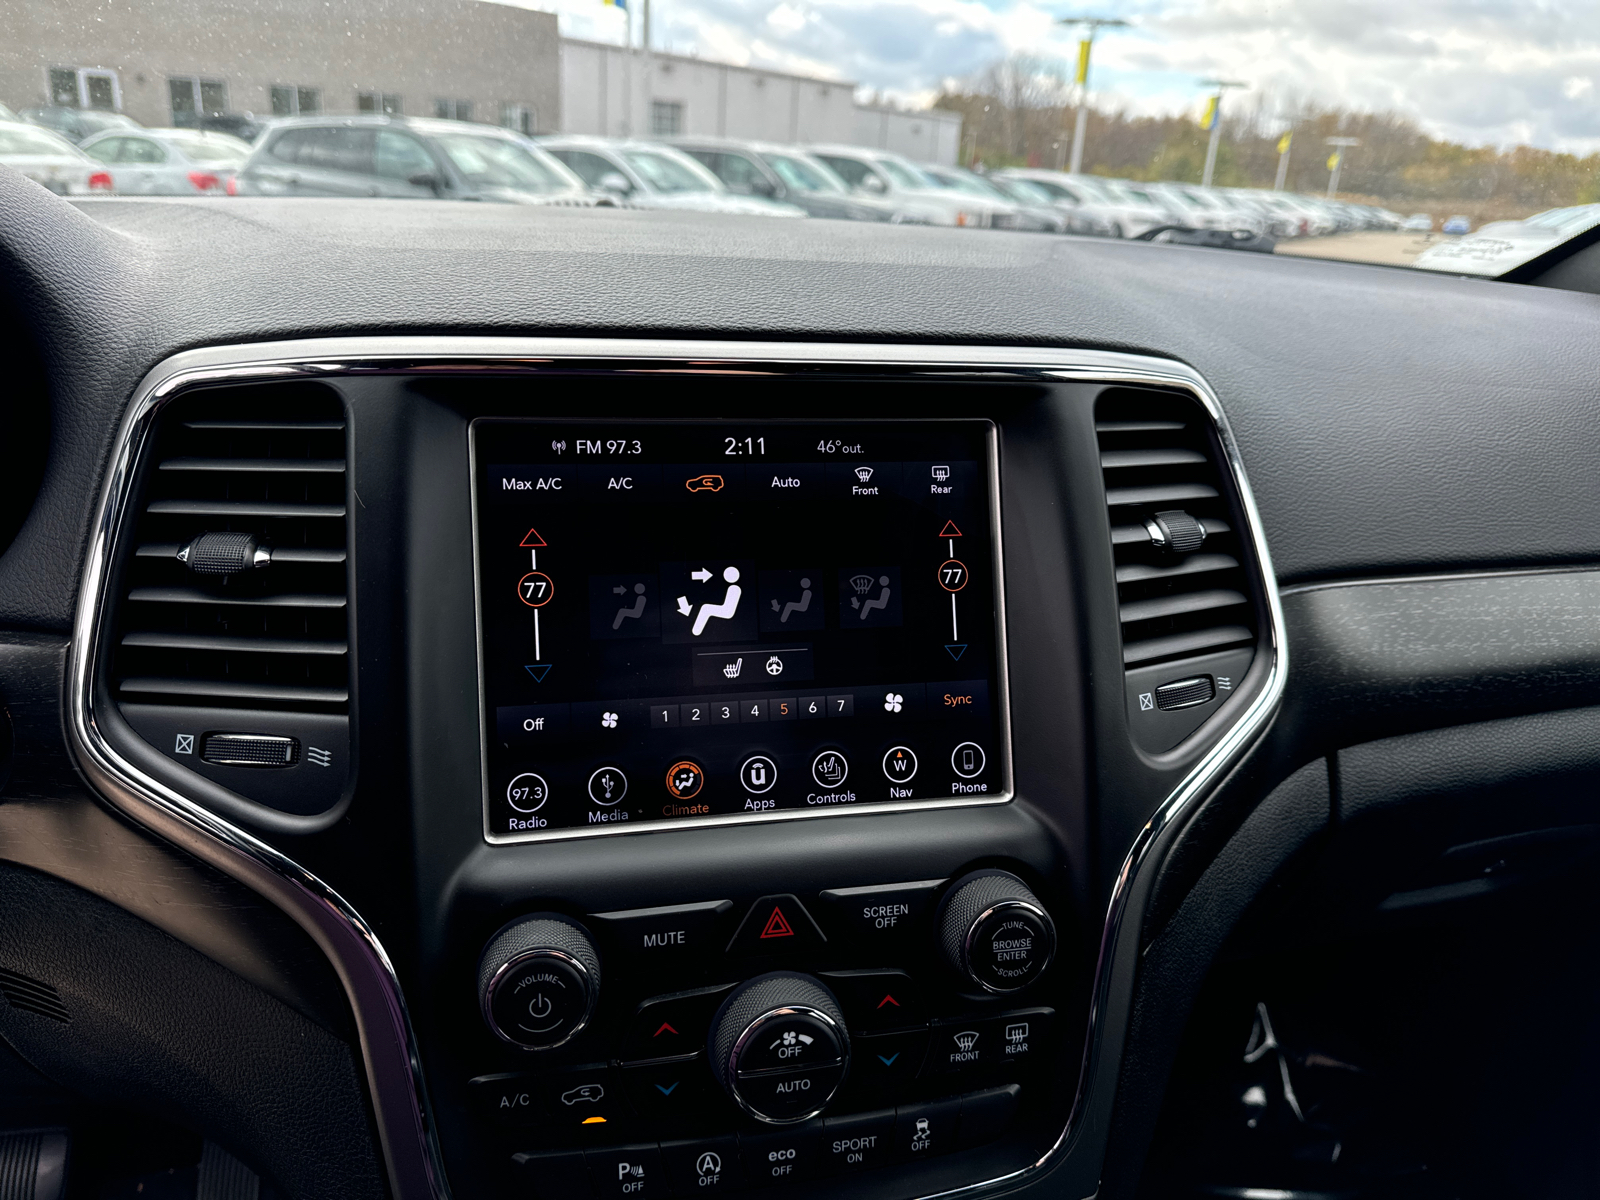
888 1062
666 1091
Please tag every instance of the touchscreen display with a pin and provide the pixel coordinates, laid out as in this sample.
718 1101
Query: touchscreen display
683 622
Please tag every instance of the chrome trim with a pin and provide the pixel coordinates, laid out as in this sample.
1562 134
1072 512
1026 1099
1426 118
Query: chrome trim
784 1010
388 1042
486 998
966 944
1300 589
1003 794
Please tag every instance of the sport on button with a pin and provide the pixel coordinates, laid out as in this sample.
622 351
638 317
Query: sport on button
967 760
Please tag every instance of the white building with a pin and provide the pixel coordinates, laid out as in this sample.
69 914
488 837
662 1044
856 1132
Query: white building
609 91
932 135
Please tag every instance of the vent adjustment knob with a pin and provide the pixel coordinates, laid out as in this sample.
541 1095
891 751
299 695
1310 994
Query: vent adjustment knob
1176 532
994 931
224 554
538 982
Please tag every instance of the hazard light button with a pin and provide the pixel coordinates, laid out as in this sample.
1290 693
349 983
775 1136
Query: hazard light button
776 926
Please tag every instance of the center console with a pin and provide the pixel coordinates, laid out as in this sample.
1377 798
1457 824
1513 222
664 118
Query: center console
710 772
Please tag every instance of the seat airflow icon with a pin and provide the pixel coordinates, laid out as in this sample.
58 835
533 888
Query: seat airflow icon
318 757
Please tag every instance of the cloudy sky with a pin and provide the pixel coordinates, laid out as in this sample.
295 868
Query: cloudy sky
1478 71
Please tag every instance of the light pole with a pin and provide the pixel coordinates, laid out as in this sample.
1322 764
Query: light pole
1336 160
1284 143
1090 27
1214 116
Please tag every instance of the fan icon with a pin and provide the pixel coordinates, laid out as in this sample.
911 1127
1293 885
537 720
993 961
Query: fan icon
608 720
893 701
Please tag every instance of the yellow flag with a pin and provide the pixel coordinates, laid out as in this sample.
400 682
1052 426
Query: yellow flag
1283 143
1210 118
1333 161
1083 63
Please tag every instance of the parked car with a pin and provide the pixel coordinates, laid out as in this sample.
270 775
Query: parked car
77 124
643 174
405 158
1079 218
916 198
246 127
1456 225
783 173
169 162
1120 215
1021 215
1201 208
48 158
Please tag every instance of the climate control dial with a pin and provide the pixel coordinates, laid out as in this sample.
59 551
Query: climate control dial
538 981
779 1047
994 931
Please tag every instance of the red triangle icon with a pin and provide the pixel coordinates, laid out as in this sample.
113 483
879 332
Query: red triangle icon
949 530
776 926
665 1028
534 540
888 1000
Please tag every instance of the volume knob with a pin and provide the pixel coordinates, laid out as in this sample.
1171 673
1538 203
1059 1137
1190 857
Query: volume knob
538 981
994 931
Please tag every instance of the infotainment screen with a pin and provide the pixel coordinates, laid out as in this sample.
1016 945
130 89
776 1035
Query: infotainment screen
691 622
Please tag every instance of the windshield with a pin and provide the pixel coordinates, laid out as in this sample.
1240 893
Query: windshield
493 162
663 172
904 175
1457 135
802 176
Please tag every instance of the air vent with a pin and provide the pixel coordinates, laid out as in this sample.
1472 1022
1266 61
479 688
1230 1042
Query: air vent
32 995
234 625
1182 587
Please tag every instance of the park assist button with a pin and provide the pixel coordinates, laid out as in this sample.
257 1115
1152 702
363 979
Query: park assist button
627 1171
776 925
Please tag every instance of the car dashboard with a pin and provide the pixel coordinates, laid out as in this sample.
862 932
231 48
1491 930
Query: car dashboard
566 703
